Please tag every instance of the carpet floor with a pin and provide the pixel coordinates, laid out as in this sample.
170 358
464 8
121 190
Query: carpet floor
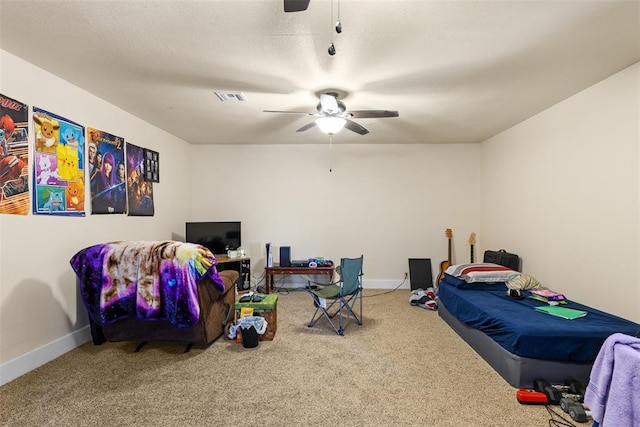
403 367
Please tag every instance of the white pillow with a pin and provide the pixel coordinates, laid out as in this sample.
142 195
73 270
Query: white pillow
482 272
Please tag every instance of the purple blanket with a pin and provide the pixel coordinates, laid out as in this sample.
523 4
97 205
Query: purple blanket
613 393
148 280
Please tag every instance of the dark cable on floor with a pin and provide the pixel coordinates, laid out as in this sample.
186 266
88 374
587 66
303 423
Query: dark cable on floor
387 292
274 286
257 281
260 284
558 422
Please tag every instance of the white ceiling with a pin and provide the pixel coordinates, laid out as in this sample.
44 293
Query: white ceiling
457 71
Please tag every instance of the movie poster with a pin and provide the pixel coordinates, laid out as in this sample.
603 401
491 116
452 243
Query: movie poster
140 191
107 173
58 169
14 157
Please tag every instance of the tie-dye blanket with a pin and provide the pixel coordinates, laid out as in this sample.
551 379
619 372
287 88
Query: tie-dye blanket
148 280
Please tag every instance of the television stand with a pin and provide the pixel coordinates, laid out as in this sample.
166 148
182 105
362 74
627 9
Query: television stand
240 264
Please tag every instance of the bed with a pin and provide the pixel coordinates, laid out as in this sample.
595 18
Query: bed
520 343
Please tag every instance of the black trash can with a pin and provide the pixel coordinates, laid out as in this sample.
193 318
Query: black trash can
249 337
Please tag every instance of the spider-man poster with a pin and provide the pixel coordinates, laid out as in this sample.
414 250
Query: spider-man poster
14 157
106 172
58 170
140 191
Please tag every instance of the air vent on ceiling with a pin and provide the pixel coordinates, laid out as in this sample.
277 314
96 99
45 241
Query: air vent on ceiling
231 96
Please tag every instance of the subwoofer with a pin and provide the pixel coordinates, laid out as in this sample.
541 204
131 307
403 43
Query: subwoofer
285 256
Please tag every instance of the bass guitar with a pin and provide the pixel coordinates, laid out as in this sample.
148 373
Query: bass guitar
445 264
472 241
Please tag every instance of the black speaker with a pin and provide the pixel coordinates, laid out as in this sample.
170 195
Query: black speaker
285 256
420 274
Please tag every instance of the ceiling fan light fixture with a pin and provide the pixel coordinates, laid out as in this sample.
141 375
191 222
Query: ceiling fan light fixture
330 125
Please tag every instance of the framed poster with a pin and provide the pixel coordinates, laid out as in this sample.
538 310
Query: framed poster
140 191
107 173
151 166
58 170
14 157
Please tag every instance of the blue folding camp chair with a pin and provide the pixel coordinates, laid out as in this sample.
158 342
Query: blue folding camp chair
344 294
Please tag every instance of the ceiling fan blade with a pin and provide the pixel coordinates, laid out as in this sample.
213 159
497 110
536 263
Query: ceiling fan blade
304 113
373 114
329 104
295 5
306 127
355 127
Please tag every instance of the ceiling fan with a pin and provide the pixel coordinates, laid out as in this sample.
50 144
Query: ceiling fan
296 5
333 115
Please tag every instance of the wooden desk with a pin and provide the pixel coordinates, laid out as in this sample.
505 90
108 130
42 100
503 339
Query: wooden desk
290 271
223 259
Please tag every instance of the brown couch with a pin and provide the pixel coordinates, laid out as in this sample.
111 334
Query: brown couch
216 309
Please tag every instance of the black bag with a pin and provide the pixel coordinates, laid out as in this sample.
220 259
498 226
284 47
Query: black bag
504 258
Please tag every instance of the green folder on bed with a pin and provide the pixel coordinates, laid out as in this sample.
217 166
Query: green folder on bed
565 313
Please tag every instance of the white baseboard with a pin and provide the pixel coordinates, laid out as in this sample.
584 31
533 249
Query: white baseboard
27 362
385 284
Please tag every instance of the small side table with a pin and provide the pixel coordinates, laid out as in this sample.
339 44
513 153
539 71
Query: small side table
267 308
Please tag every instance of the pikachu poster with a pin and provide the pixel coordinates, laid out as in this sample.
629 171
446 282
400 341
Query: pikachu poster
58 170
14 157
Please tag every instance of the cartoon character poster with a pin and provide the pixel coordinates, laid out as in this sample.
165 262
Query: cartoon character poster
107 173
58 169
140 191
14 156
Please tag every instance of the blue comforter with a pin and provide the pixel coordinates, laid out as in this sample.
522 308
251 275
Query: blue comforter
523 331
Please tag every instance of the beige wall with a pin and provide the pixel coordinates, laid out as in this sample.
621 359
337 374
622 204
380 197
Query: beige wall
563 189
388 202
39 307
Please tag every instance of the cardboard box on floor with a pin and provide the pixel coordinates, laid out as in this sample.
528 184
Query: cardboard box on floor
268 309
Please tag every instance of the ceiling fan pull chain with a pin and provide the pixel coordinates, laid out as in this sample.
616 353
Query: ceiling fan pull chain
330 152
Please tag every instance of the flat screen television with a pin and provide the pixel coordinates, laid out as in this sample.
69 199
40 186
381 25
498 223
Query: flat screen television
218 237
